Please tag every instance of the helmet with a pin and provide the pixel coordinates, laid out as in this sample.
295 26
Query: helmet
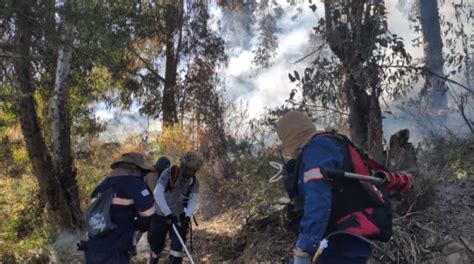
191 161
162 163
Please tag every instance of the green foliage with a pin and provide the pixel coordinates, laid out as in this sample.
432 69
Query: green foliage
22 232
362 48
268 42
449 156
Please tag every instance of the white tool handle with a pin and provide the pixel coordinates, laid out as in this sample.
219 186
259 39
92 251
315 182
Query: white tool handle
182 243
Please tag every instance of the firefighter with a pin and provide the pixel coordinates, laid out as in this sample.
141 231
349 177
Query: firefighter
176 195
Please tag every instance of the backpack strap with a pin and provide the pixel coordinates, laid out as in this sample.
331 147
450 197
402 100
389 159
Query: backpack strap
369 162
299 161
174 174
190 189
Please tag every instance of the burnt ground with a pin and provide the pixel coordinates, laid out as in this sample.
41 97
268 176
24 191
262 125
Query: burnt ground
442 233
452 215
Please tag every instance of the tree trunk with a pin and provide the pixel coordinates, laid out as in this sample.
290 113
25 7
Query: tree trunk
352 41
433 49
173 21
62 124
401 155
50 188
357 101
375 131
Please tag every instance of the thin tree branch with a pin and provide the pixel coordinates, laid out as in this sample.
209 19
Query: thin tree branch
311 53
147 65
21 57
322 107
427 70
5 45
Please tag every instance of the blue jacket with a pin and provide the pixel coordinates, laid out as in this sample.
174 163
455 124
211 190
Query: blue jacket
320 152
132 207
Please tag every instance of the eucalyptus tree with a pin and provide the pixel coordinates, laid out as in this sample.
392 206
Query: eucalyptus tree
435 88
360 67
51 56
174 44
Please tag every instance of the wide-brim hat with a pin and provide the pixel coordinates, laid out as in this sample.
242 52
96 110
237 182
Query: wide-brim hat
134 158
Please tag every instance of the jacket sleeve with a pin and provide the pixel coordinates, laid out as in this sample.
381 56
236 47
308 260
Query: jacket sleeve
159 192
319 152
193 199
142 202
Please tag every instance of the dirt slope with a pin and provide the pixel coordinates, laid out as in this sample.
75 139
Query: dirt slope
444 233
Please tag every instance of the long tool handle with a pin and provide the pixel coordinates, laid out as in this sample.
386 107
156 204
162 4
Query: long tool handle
332 173
362 177
182 244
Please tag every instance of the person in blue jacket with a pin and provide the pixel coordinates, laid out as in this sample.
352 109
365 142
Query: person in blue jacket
131 210
300 137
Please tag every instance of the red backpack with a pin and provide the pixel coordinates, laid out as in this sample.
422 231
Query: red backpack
358 206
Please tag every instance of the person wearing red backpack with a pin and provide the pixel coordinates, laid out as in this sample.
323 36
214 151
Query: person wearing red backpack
176 195
316 151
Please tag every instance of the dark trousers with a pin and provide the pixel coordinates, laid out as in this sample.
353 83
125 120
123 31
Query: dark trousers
157 238
112 257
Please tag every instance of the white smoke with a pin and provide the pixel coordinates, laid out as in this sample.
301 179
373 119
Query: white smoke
64 249
270 87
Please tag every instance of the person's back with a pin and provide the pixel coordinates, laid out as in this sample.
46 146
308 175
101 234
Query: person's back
127 201
131 209
321 151
300 140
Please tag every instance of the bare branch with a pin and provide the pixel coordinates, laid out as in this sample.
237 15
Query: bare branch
322 107
429 71
147 64
5 45
311 53
8 56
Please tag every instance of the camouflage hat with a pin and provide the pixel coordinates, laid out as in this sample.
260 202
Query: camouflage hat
134 158
191 161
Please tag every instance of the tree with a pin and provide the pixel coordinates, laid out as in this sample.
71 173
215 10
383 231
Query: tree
52 92
191 51
446 67
356 71
268 42
435 88
64 165
62 204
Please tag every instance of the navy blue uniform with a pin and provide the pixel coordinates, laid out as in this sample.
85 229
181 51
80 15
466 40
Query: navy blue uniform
323 152
132 208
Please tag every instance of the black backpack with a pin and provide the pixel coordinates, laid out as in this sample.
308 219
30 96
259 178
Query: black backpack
98 218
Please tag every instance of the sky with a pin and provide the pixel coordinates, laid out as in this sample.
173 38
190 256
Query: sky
268 88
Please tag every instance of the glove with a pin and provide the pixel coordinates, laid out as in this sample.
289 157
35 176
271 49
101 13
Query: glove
81 246
171 219
301 257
